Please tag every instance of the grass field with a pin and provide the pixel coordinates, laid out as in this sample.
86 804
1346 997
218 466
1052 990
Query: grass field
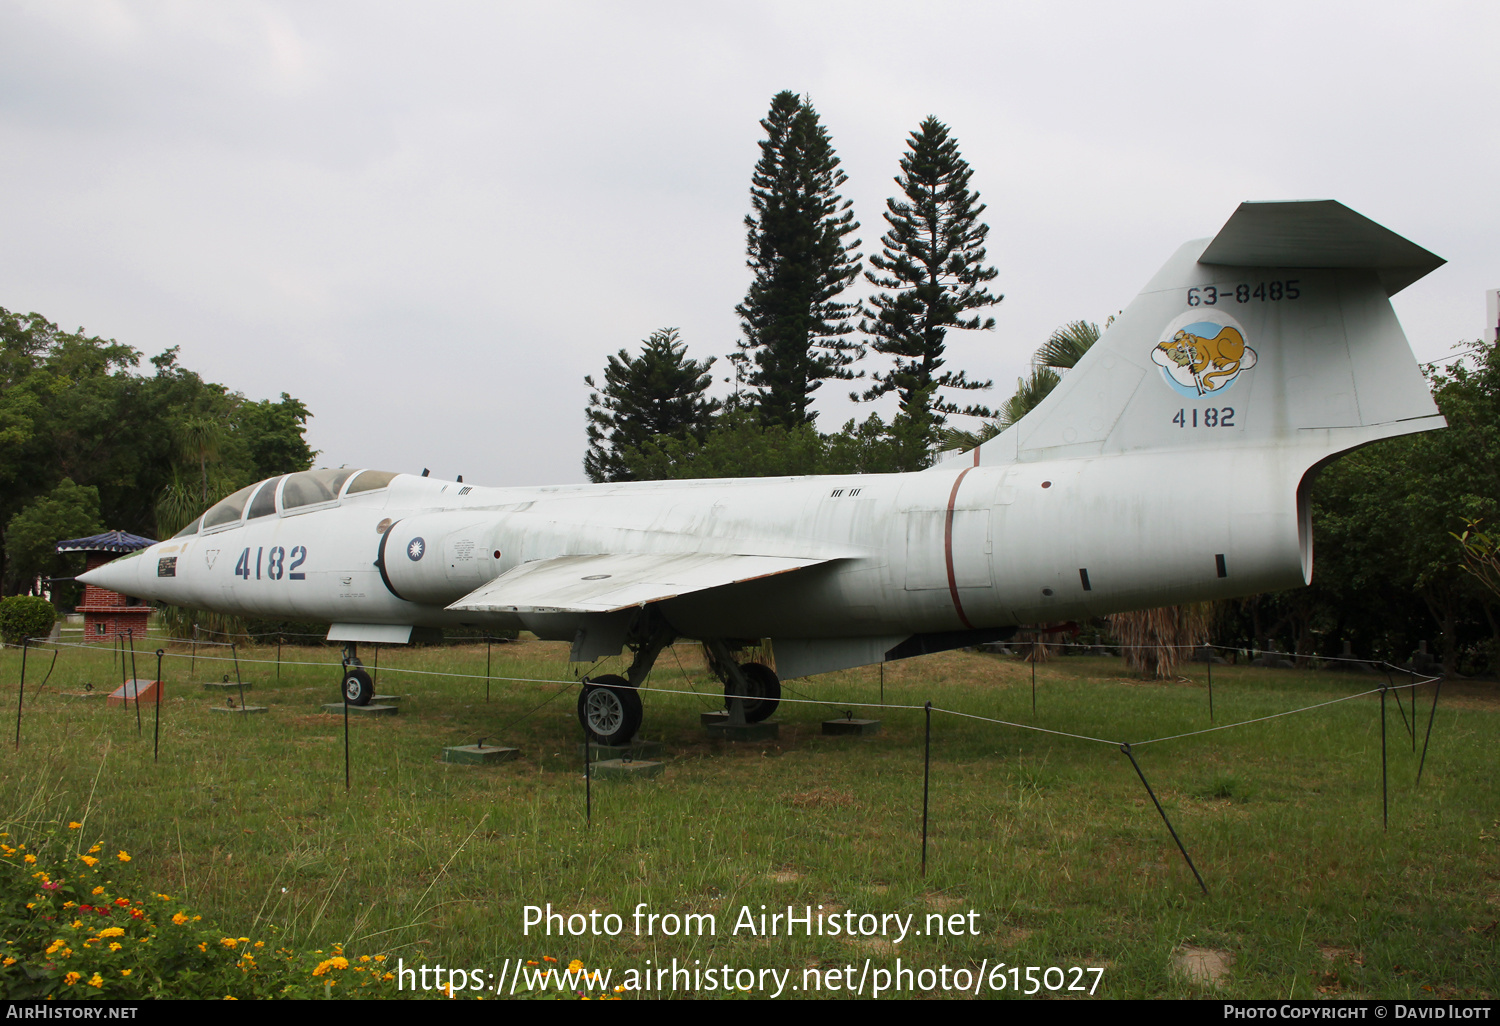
1051 841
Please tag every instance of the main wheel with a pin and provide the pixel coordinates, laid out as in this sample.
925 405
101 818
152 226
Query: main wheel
358 688
610 710
765 691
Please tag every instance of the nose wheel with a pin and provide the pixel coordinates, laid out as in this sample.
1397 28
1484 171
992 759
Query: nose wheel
610 710
357 686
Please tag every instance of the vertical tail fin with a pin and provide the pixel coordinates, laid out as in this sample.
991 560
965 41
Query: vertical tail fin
1277 331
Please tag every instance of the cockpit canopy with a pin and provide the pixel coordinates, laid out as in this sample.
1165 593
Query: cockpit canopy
288 495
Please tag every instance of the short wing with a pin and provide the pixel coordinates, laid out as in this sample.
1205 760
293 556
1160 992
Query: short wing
608 582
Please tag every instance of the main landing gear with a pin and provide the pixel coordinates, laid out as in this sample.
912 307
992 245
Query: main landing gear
751 690
609 707
358 688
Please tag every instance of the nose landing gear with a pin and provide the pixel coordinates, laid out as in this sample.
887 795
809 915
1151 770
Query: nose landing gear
358 688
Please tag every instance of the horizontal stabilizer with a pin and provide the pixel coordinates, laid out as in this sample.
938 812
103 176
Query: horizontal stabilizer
1318 233
605 583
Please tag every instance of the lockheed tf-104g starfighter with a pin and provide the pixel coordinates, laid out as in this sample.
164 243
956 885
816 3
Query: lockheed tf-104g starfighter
1172 465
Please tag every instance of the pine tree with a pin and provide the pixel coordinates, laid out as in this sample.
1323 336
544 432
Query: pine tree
657 393
933 261
794 325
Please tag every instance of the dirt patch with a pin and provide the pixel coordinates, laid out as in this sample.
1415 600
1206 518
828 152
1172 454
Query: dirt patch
1203 966
820 798
785 876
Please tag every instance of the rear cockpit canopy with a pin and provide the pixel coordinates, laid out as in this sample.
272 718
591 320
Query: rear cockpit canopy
288 495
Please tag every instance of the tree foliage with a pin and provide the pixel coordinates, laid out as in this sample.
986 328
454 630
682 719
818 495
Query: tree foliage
31 537
741 445
933 263
658 393
793 322
73 407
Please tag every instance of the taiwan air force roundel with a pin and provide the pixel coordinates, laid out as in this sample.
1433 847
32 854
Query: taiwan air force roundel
415 549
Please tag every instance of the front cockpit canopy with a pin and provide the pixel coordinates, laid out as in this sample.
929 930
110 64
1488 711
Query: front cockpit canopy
287 495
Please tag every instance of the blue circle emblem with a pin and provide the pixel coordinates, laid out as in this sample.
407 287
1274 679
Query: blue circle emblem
415 549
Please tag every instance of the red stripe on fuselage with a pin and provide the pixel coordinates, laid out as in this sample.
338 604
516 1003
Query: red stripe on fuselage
958 606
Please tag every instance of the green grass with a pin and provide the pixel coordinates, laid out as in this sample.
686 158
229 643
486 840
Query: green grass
1051 840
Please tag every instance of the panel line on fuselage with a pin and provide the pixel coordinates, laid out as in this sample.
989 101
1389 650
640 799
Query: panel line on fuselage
958 606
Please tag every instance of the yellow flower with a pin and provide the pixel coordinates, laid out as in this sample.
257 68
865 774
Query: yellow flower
113 931
97 891
30 859
574 966
165 897
8 961
77 923
126 972
89 860
203 946
115 945
71 979
96 849
179 919
123 857
97 981
260 944
75 826
228 942
55 945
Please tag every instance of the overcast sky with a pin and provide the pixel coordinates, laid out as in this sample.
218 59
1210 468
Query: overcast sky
430 221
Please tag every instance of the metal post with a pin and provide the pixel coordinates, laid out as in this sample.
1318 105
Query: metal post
156 727
235 651
1430 717
1210 654
1131 756
1033 678
345 692
193 664
1385 802
278 658
926 775
136 680
488 641
588 783
21 697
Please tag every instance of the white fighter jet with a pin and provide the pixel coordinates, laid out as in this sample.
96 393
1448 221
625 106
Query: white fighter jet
1172 465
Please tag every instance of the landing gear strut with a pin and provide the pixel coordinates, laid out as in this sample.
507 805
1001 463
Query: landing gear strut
752 690
358 688
609 707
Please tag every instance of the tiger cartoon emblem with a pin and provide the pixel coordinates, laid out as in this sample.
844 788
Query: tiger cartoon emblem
1203 357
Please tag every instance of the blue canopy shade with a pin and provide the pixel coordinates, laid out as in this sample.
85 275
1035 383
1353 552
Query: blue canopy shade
109 541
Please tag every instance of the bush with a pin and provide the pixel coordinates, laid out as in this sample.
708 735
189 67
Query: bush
25 616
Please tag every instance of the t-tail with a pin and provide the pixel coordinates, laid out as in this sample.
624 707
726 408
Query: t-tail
1248 361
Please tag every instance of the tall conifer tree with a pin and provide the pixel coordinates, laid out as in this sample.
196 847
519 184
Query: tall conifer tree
794 324
933 259
660 392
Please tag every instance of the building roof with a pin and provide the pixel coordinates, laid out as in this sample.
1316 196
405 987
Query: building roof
109 541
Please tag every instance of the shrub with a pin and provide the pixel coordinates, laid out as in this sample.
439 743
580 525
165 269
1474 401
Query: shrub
25 616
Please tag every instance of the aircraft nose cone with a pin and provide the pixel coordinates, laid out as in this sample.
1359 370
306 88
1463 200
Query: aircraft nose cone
122 575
